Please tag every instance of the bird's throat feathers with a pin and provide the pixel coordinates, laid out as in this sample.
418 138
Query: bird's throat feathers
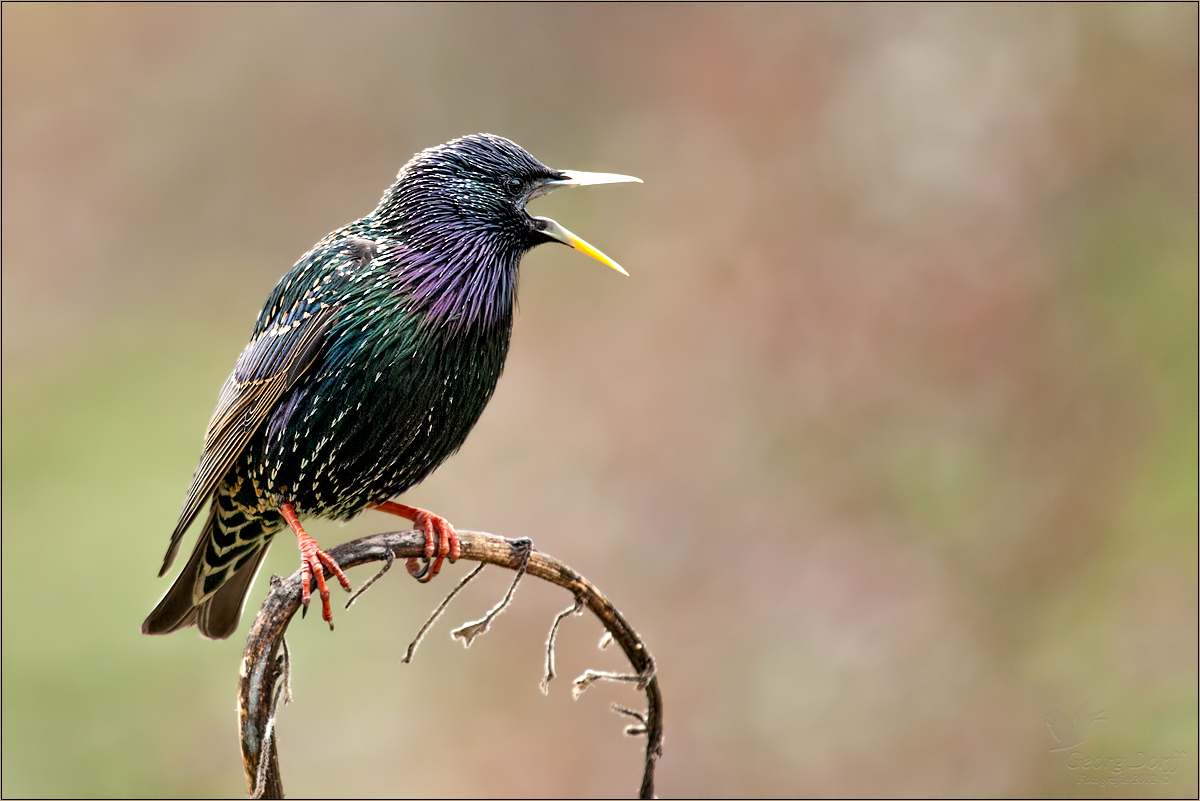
466 284
456 261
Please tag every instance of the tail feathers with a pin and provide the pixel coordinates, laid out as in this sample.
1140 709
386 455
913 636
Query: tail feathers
217 616
176 611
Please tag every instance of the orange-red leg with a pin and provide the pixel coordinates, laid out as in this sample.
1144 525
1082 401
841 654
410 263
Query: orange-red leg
313 561
441 541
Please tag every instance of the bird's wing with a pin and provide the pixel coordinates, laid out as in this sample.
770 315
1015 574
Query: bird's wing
276 357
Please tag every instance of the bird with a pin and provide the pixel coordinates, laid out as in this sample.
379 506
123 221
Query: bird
368 365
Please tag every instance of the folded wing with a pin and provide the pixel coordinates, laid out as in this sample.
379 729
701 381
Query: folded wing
272 362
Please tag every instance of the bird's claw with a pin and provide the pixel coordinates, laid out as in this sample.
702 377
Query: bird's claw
314 562
441 543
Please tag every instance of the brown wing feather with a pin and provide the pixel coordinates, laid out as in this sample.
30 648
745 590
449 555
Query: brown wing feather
267 368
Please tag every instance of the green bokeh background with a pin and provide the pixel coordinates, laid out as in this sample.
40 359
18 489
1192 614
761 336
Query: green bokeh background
888 447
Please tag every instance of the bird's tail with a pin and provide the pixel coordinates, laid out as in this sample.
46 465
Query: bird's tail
217 613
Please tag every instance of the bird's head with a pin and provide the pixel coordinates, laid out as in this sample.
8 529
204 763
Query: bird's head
470 194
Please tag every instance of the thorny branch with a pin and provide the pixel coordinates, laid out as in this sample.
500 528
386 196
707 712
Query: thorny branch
265 672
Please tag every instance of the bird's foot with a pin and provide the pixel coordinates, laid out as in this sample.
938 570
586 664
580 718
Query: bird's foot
313 562
441 541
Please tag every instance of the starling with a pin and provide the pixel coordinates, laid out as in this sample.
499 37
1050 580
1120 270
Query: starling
368 365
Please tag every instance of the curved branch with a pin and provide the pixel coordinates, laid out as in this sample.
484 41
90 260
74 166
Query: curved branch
263 678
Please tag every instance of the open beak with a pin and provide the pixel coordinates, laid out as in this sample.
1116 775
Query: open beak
555 231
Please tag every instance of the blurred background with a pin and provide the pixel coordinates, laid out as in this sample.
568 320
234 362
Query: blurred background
888 447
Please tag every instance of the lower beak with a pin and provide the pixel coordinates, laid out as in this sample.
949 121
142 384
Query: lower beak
578 178
555 231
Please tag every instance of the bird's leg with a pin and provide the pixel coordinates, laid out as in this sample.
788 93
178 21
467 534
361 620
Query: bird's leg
441 541
313 561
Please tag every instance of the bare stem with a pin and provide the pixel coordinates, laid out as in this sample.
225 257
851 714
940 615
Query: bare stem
412 646
574 609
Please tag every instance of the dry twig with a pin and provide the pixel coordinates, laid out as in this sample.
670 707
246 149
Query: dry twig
264 673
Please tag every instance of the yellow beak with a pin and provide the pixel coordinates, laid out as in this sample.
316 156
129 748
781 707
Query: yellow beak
555 231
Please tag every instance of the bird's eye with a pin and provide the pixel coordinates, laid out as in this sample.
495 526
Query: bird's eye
513 186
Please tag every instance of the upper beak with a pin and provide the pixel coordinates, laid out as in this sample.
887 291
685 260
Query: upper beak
555 231
580 178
